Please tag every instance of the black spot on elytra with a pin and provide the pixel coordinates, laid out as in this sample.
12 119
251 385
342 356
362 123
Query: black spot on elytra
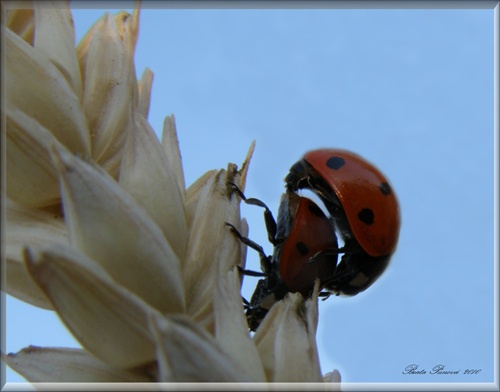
385 188
335 163
302 248
314 209
366 216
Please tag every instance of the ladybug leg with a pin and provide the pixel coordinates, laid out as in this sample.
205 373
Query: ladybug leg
325 252
246 304
265 261
324 295
248 242
326 194
271 226
251 273
236 190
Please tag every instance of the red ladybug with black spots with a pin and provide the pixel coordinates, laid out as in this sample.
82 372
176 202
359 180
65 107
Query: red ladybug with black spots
363 212
301 238
364 208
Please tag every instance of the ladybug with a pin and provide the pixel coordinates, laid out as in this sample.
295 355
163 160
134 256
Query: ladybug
363 211
364 208
305 247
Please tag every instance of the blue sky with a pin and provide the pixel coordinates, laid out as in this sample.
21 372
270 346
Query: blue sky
411 91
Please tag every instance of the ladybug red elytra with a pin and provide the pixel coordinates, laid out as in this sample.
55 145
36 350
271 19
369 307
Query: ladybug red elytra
364 213
310 247
345 181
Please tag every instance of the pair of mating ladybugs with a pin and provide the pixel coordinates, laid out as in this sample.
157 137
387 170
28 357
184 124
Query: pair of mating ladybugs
362 209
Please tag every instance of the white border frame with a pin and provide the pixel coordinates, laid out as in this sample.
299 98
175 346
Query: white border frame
298 4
